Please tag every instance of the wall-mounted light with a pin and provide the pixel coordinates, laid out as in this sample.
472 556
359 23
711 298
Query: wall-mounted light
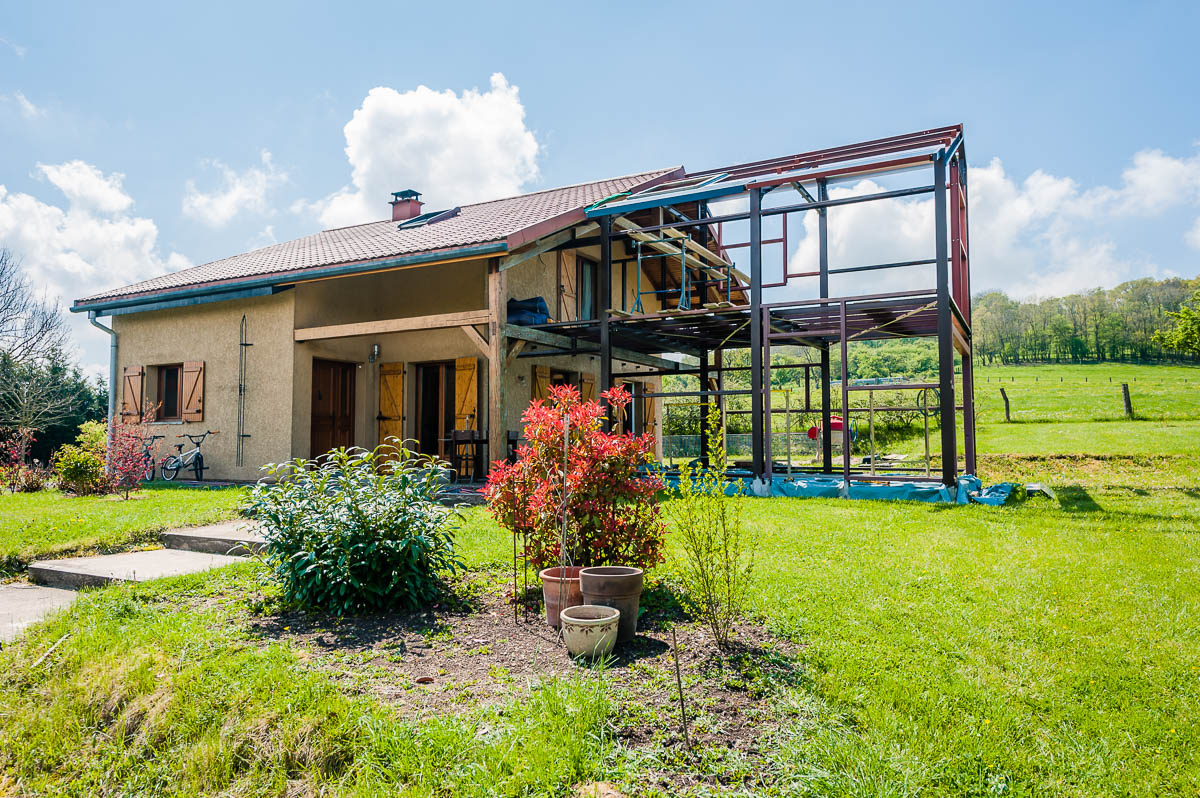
374 352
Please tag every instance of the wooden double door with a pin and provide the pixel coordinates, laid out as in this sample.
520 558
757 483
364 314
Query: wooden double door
332 405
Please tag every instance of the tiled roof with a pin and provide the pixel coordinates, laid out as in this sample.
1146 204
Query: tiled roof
494 221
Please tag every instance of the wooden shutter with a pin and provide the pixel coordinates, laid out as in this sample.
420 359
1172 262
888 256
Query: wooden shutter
193 391
541 383
133 382
466 392
587 387
568 291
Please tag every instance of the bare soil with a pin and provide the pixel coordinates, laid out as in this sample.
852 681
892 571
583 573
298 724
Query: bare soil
472 652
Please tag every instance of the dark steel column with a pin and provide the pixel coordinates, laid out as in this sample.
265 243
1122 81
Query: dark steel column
968 378
826 376
945 330
767 455
756 334
603 303
704 407
845 396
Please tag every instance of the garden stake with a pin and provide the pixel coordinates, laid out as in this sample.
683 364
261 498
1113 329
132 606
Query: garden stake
679 686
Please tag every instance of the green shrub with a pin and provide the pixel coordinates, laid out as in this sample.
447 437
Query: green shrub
93 435
357 530
718 546
80 469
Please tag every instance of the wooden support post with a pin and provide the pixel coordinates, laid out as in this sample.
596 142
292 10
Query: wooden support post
1128 401
946 414
1004 396
497 352
758 464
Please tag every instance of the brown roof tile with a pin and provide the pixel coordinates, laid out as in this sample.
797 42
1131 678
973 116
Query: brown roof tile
496 220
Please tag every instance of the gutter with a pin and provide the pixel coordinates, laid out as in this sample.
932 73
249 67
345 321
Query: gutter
282 278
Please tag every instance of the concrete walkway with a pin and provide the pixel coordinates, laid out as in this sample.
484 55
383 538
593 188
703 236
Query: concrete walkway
189 550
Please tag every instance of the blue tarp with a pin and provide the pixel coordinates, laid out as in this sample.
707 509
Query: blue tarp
969 489
526 312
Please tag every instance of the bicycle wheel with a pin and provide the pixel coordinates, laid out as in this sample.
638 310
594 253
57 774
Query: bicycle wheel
148 475
198 466
170 467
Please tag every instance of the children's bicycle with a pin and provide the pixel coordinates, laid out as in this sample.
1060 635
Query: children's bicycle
148 450
173 464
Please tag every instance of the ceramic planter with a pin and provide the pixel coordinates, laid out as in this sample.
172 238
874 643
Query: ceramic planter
616 586
590 630
560 589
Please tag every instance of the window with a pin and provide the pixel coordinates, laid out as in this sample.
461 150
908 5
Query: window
170 393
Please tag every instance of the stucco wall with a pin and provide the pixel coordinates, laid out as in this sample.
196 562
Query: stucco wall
211 333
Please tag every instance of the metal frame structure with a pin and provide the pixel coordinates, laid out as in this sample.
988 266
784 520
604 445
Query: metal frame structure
718 307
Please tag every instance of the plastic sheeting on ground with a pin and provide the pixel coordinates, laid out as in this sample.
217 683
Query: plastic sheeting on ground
968 489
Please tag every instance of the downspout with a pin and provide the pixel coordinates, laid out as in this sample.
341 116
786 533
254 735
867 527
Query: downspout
112 371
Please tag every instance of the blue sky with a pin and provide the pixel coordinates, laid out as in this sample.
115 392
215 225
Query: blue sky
161 135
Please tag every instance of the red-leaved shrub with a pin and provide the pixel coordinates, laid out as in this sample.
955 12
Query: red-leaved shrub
612 512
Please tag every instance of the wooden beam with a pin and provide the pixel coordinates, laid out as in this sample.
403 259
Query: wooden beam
497 324
546 244
697 247
477 339
514 349
545 338
621 223
409 324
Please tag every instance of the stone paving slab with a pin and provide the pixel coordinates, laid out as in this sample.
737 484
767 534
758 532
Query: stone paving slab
136 566
237 538
23 604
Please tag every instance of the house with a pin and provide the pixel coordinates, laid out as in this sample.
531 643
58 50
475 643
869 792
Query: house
441 325
397 328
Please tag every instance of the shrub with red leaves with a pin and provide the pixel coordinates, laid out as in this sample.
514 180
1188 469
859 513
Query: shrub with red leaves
127 452
612 512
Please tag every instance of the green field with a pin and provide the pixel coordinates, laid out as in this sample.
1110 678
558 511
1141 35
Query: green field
1049 647
49 523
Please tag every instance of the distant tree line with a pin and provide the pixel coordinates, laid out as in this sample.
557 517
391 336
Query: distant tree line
1123 323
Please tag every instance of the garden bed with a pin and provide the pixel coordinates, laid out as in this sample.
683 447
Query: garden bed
471 653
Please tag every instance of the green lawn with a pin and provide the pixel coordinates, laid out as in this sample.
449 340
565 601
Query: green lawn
39 525
1051 647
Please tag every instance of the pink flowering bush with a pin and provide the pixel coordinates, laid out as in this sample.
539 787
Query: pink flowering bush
612 512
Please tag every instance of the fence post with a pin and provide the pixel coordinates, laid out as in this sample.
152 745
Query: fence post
1128 402
1004 396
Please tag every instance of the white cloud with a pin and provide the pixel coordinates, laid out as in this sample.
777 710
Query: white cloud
239 192
1043 236
93 244
87 188
1193 235
26 106
18 49
454 149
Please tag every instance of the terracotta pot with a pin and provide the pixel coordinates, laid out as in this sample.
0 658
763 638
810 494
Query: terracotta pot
560 589
617 586
590 630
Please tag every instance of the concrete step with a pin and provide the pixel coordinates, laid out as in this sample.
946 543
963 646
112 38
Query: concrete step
236 538
22 605
134 566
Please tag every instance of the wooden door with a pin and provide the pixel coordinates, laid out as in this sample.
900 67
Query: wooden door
332 405
391 403
466 393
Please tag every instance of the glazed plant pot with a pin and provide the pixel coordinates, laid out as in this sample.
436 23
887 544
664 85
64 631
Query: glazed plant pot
560 589
616 586
590 630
